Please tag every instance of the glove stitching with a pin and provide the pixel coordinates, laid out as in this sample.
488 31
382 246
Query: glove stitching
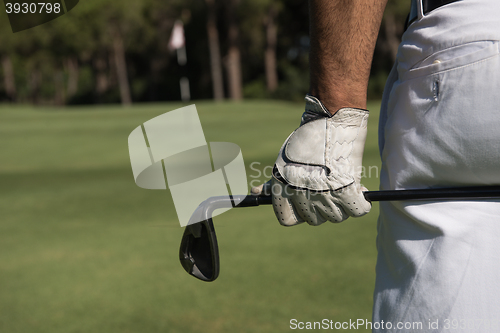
294 215
328 145
339 212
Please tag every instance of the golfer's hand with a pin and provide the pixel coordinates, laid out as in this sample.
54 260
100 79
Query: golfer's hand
316 177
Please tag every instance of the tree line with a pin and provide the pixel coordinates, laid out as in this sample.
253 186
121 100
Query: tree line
107 51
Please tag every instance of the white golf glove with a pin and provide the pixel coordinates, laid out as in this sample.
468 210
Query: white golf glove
316 177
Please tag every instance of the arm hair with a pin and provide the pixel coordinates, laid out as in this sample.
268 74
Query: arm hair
343 36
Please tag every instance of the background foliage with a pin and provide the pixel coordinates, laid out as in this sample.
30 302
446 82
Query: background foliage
262 45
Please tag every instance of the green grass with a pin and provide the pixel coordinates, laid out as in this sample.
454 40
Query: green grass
83 249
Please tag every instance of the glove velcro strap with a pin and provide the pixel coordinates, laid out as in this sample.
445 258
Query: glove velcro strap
277 175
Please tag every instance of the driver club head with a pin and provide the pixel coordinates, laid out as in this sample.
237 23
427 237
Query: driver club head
199 252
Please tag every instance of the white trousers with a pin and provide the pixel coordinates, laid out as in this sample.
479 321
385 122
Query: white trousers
439 262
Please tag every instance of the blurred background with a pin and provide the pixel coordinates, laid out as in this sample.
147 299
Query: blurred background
124 51
83 249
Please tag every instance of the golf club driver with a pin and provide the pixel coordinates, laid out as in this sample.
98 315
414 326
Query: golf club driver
199 252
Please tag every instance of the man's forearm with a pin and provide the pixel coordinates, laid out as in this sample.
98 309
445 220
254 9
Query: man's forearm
343 36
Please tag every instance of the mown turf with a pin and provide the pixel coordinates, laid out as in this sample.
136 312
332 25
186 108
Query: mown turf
83 249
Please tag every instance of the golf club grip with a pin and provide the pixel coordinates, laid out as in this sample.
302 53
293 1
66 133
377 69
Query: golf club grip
477 192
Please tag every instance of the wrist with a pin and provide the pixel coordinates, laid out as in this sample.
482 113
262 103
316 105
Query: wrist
315 109
336 100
